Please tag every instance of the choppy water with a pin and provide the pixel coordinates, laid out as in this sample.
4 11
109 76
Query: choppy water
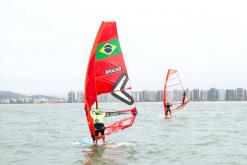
204 133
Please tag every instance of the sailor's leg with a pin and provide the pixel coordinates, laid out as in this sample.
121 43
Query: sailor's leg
104 140
96 136
96 140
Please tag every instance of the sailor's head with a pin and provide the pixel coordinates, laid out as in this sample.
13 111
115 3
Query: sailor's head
97 111
168 103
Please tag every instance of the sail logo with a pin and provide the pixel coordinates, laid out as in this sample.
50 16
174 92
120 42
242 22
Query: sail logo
108 49
119 89
113 70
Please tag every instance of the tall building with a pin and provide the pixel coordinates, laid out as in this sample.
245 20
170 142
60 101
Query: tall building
71 97
79 97
245 95
187 91
191 95
230 95
222 95
136 96
203 95
152 96
239 94
159 95
213 94
195 95
145 96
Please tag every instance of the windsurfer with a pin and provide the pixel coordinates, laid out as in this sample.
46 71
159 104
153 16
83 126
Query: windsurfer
168 109
99 126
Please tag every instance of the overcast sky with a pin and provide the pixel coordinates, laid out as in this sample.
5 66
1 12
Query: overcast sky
45 45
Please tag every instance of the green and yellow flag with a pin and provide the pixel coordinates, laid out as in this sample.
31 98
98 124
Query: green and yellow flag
108 49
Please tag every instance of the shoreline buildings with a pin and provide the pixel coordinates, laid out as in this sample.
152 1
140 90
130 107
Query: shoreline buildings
194 95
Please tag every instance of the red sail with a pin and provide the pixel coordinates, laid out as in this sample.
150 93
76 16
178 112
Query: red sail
107 75
174 92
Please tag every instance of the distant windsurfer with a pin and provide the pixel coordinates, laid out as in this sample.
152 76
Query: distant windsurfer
99 126
168 112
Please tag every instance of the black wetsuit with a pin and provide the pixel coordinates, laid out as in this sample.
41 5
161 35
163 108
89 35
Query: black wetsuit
168 108
99 128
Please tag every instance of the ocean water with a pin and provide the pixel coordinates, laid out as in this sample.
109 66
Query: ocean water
202 133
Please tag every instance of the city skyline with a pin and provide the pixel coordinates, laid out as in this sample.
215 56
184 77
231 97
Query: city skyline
47 52
65 95
194 95
212 94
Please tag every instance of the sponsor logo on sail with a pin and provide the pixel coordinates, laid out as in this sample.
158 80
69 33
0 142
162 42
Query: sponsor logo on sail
113 70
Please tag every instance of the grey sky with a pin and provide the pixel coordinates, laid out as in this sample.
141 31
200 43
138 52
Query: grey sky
45 45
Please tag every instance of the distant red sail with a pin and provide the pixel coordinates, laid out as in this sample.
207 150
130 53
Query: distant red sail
107 74
174 92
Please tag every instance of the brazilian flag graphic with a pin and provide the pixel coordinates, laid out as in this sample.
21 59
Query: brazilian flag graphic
108 49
